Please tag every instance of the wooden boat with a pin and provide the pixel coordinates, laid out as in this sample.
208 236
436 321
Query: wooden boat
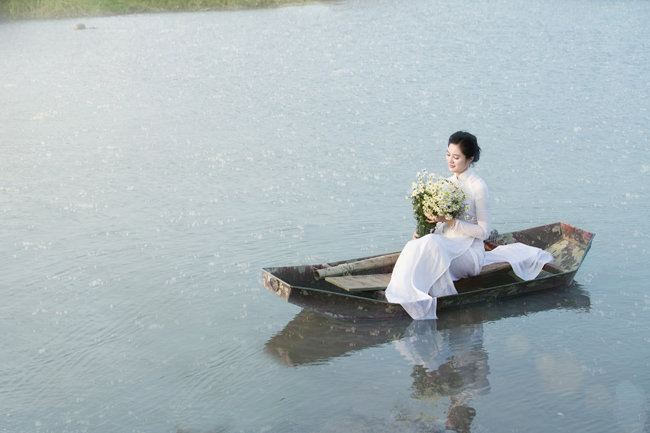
326 289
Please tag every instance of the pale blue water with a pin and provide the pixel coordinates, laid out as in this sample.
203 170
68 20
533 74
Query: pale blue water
151 166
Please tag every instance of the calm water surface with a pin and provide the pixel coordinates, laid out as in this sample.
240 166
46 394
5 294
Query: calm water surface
151 165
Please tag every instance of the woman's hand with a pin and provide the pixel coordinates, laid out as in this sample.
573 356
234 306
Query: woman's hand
434 219
415 235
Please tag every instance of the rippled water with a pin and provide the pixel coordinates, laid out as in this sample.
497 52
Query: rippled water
151 165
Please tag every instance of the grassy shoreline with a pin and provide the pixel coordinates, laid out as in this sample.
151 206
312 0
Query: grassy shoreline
44 9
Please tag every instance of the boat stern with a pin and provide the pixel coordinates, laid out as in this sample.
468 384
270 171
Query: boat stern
275 285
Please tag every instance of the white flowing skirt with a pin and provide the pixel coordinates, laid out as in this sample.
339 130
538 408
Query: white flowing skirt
427 268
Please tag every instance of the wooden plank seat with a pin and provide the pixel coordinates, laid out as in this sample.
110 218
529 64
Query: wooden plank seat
361 283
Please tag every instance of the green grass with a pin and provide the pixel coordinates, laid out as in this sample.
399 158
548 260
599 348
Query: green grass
23 9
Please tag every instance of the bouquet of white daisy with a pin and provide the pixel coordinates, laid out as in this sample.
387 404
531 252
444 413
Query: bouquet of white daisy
435 197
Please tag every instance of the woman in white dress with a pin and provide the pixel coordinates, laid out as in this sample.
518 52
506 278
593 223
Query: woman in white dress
428 266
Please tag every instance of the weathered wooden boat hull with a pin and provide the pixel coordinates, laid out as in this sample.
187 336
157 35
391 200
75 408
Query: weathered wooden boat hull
567 244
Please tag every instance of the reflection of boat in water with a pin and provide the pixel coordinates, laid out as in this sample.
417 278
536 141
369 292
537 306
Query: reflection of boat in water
358 295
450 366
311 338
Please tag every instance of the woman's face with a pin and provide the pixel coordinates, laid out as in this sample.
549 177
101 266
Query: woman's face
456 160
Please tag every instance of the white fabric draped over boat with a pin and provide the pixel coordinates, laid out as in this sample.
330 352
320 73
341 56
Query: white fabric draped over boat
430 271
526 261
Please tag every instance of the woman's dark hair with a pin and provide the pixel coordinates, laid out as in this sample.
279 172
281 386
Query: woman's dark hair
467 143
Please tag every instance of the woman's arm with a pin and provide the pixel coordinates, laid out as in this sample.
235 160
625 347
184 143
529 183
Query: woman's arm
482 207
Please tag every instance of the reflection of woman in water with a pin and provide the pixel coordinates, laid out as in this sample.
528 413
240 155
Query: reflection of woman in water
428 266
448 363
